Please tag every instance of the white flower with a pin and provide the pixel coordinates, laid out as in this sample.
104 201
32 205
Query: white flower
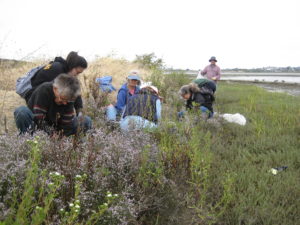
116 195
57 173
76 210
109 195
61 210
77 206
77 201
273 171
71 204
105 204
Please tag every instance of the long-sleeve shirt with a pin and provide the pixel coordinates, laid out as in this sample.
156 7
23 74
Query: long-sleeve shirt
212 72
123 95
200 99
49 73
46 113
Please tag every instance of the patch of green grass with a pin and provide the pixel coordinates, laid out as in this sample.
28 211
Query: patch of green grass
269 139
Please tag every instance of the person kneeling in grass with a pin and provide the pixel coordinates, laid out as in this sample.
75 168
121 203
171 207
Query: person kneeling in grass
200 98
130 88
142 110
51 108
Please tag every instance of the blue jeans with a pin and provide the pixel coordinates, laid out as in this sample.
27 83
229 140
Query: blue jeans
205 111
135 123
24 121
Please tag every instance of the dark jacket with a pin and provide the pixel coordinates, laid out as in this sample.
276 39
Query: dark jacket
49 73
47 113
143 105
202 99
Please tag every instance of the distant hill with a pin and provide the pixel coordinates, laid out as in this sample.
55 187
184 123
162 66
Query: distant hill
288 69
7 63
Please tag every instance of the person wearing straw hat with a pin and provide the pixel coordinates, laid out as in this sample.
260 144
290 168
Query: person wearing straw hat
142 110
212 71
127 90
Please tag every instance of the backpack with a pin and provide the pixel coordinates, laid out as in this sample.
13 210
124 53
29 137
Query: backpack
207 88
23 84
205 85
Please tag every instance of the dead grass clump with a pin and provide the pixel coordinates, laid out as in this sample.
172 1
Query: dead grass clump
117 68
10 72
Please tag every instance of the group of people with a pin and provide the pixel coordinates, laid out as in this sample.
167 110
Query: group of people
54 102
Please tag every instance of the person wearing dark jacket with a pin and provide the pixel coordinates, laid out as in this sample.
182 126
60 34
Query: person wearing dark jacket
142 110
201 98
51 108
73 65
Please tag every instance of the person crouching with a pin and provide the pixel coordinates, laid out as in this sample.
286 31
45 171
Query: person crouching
51 108
199 98
142 110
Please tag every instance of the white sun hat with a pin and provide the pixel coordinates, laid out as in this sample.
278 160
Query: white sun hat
149 85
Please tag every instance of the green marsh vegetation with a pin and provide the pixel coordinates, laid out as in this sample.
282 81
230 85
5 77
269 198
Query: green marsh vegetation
185 172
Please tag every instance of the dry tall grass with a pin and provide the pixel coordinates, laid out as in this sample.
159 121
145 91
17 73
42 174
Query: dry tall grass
10 72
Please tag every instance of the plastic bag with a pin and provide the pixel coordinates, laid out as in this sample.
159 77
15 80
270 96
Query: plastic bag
235 118
105 84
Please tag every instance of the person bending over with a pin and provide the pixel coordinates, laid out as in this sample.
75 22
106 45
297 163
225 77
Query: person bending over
73 65
51 108
197 98
142 110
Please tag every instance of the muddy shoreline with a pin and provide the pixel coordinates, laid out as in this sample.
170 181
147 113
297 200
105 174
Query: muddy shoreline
289 88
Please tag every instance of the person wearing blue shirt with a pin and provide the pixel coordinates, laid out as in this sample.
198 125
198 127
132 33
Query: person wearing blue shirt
126 91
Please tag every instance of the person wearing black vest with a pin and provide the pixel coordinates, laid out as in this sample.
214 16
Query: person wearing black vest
73 65
201 98
142 110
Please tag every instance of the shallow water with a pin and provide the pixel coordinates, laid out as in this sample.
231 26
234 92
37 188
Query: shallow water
275 79
290 89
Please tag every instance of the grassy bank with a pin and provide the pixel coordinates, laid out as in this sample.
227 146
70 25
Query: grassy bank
185 172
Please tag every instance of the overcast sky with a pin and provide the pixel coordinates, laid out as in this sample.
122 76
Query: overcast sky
240 33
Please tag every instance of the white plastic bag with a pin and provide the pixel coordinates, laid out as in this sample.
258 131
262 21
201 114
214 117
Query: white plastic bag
235 118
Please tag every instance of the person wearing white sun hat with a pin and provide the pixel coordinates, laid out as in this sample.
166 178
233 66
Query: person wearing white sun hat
142 110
